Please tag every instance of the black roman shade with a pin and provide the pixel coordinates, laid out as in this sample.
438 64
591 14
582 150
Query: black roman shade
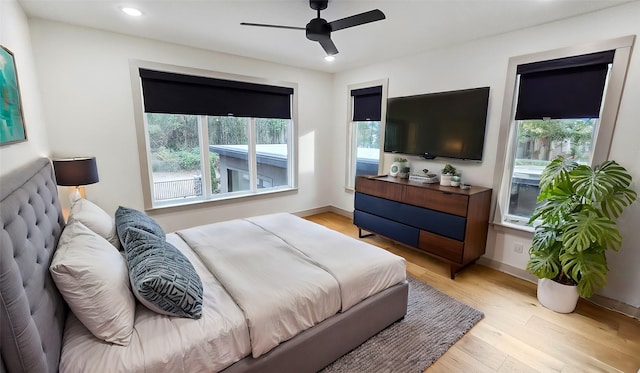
367 103
172 93
563 88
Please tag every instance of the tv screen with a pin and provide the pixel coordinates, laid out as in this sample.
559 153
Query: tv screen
445 124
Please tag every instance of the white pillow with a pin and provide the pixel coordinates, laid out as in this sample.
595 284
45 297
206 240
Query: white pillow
94 218
92 277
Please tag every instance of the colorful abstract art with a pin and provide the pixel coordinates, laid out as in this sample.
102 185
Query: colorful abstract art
11 118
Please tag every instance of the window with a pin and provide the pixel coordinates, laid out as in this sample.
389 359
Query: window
538 142
365 131
559 106
207 138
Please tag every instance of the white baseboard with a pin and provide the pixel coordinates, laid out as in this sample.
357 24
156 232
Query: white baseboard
615 305
320 210
602 301
508 269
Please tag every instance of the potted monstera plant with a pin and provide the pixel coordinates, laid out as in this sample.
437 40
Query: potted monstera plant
575 227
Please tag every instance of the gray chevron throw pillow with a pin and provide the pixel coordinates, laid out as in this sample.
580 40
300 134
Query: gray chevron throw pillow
162 278
126 217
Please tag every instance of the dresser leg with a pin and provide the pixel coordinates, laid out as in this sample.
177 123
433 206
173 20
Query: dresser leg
363 235
453 270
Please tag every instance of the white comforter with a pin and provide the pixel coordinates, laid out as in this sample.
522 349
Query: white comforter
250 269
280 291
361 269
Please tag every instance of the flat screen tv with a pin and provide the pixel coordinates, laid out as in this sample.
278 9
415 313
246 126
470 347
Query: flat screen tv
445 124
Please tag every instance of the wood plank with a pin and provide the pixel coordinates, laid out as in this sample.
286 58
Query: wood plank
482 351
517 348
514 365
457 360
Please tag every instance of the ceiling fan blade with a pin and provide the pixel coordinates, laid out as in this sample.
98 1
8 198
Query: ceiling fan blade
358 19
272 26
328 46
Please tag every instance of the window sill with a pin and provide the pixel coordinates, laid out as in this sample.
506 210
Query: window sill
230 199
516 229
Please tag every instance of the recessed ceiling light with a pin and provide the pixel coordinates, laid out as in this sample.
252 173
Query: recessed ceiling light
133 12
329 58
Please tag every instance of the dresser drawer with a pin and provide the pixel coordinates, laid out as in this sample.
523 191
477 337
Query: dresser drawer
449 202
448 225
443 247
379 188
388 228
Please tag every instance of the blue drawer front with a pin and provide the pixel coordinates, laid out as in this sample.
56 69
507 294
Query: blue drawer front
441 223
388 228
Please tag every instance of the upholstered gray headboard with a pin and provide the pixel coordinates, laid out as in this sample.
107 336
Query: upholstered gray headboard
32 312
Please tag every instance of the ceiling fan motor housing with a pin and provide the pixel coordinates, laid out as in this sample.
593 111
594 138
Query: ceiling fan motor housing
318 4
318 29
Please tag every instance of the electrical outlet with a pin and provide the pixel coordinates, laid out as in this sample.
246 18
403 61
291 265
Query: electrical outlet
518 247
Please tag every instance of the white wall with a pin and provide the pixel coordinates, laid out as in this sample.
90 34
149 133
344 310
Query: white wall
14 35
87 97
483 63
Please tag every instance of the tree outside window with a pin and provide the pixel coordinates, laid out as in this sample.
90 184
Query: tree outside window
539 142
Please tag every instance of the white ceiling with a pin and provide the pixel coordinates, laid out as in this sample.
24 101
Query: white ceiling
411 26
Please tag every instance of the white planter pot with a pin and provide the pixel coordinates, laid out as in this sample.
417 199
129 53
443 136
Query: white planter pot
445 180
557 297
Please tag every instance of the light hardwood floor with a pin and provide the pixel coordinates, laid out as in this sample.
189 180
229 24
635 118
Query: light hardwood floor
517 334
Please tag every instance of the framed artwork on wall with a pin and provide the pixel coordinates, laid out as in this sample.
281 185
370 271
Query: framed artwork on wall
11 119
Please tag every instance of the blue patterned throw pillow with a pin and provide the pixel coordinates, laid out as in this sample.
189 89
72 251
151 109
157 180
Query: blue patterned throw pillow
162 278
127 217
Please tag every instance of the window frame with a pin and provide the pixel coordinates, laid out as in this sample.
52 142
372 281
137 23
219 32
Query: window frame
508 129
350 169
140 120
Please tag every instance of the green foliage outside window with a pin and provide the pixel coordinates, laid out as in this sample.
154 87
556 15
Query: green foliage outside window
578 131
368 134
175 143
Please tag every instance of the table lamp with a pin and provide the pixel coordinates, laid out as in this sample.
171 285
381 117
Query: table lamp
76 172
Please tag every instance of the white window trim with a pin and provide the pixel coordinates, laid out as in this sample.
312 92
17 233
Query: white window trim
604 135
146 172
351 146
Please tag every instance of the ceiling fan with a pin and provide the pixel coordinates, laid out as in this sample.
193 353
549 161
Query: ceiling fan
318 29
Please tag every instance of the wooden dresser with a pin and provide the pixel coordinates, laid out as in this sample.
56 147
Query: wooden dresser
448 223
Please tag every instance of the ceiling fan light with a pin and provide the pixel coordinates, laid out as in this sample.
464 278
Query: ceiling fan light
133 12
329 58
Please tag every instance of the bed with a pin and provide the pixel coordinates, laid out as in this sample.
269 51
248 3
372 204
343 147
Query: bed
347 296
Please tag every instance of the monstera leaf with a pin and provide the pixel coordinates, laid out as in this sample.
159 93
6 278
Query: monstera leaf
597 183
588 268
545 263
559 203
556 172
589 228
545 236
613 204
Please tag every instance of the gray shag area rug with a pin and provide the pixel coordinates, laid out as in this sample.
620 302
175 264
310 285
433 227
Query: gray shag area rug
434 322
